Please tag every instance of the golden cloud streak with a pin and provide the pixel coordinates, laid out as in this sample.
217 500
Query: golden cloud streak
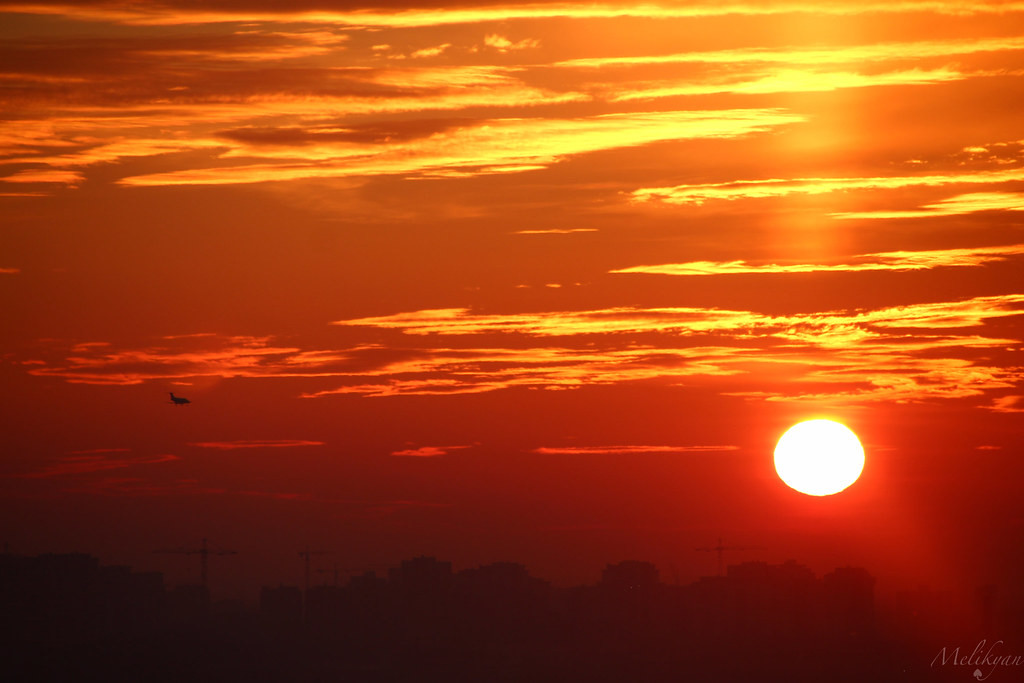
427 451
858 355
45 175
554 231
777 187
830 328
463 371
893 261
155 122
960 204
629 450
501 145
893 378
300 45
871 343
883 368
503 44
101 363
1008 404
90 128
792 81
814 74
812 56
97 152
154 15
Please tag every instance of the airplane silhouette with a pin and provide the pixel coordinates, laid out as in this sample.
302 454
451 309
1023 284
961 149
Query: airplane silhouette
177 400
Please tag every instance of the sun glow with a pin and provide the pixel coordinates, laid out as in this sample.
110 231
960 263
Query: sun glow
819 457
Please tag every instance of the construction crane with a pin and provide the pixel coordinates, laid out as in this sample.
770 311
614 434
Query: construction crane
307 554
336 571
719 549
204 551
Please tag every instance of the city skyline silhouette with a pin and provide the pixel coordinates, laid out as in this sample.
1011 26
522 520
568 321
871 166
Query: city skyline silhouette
718 305
424 620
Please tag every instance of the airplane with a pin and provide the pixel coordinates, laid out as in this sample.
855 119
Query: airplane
178 400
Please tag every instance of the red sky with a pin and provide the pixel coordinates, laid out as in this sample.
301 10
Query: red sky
541 283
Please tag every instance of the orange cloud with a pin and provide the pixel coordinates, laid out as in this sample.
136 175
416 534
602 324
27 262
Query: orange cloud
1008 404
431 386
947 314
427 451
464 371
193 356
689 320
777 187
251 46
45 175
788 81
490 146
881 369
851 356
813 56
630 450
175 13
960 204
430 51
895 261
554 231
503 44
883 372
596 347
131 105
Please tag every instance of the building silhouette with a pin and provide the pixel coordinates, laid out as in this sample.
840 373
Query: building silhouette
281 606
68 615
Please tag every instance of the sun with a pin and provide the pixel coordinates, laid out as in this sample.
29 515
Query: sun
819 457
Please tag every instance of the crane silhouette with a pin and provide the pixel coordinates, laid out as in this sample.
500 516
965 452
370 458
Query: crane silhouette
306 555
719 549
178 400
203 551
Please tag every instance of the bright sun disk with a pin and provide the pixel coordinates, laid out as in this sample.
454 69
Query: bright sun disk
819 457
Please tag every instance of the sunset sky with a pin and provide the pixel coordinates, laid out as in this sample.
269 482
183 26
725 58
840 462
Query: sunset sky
530 282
